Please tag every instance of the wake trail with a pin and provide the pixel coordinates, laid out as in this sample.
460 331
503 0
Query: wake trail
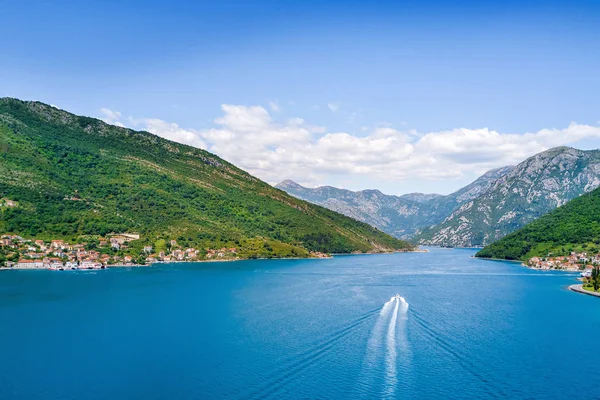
383 351
373 346
297 364
462 360
391 379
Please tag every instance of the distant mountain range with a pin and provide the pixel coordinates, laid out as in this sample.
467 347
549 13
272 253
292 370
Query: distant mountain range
64 176
401 216
499 202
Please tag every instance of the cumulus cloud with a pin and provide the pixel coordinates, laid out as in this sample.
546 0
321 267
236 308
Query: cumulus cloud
171 131
275 150
111 117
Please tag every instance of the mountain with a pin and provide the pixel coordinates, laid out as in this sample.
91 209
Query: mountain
531 189
420 197
574 226
67 176
400 216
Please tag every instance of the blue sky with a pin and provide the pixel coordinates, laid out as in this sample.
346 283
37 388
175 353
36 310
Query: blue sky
369 81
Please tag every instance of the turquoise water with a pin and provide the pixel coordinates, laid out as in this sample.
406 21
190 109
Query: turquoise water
292 329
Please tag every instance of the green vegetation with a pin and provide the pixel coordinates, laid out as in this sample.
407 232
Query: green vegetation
574 227
63 177
593 283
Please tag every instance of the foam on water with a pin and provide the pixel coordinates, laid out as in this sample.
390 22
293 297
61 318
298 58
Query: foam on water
391 379
392 313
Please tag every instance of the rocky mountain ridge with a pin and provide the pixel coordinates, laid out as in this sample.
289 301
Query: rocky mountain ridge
534 187
401 216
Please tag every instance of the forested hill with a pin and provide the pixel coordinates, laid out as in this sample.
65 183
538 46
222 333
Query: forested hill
67 176
574 226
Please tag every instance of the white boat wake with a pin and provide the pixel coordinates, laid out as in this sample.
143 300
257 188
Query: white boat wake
394 314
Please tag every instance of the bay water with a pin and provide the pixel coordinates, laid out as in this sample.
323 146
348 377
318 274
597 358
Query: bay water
460 328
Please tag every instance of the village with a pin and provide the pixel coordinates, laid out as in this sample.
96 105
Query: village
573 262
20 253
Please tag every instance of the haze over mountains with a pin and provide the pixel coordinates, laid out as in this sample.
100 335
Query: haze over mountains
497 203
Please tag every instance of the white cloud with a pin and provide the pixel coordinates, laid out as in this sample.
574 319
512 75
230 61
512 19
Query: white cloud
276 150
171 131
333 107
111 117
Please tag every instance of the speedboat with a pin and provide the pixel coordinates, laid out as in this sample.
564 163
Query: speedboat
397 297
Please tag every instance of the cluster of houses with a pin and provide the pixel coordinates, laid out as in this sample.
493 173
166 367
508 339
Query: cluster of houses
60 255
189 254
572 262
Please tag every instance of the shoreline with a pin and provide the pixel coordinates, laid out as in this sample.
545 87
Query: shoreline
69 269
501 259
579 289
527 266
211 261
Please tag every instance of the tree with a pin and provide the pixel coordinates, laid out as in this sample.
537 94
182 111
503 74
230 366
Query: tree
595 278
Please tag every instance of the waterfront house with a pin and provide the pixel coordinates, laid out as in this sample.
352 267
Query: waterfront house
89 264
30 264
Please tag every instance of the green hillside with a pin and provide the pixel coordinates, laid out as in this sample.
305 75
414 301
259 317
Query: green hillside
72 176
573 227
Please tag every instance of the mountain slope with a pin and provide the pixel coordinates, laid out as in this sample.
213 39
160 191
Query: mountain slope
74 175
401 216
531 189
571 227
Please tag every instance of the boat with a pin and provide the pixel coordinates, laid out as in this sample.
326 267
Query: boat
586 274
398 297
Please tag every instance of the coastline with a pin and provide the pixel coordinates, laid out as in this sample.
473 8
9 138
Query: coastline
579 289
78 269
501 259
213 261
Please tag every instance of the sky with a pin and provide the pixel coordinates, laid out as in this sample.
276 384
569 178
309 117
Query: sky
402 96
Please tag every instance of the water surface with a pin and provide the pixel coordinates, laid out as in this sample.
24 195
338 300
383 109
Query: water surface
297 329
